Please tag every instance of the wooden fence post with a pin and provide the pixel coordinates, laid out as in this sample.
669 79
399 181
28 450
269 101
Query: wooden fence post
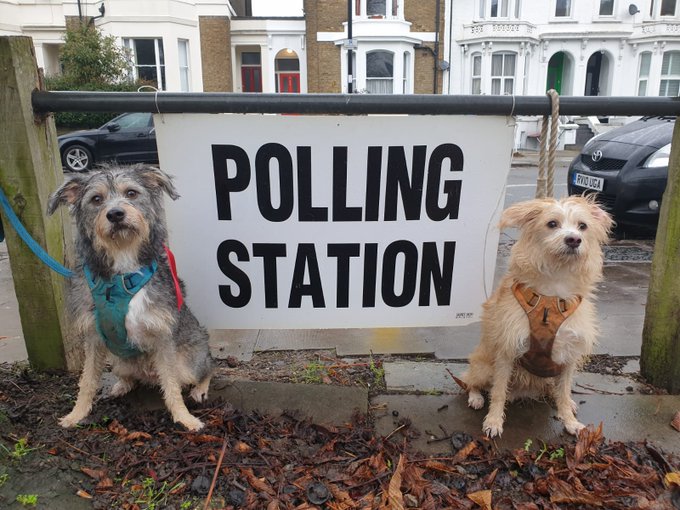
660 357
30 169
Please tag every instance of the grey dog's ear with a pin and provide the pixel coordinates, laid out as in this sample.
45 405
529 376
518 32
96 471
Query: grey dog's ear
66 194
157 178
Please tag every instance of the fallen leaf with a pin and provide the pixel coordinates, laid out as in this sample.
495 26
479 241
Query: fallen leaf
52 451
482 498
394 496
116 428
464 452
242 447
83 494
675 422
205 438
96 474
132 436
672 479
105 483
273 505
562 492
259 484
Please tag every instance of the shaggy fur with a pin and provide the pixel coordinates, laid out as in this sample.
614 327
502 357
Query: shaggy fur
559 253
121 227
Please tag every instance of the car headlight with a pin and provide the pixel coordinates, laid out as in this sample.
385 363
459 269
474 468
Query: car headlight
659 158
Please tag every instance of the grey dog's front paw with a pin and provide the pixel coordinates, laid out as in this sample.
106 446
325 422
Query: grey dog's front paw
70 420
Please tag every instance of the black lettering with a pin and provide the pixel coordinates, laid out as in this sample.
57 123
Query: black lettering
373 175
307 212
410 253
451 187
341 212
224 250
263 159
370 270
269 253
225 185
398 181
440 275
343 252
306 258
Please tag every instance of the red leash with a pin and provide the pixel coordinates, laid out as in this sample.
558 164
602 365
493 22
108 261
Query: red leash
175 279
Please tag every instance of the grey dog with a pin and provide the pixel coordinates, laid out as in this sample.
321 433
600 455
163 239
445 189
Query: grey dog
126 298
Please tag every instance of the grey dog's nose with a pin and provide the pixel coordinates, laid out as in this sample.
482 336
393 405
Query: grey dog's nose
572 241
115 215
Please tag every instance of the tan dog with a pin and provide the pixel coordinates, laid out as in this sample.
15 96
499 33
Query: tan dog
556 263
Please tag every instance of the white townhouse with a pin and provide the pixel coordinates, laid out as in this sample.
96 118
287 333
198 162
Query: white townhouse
578 47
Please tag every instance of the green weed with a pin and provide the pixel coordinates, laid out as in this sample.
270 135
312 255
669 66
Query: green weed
314 373
20 449
3 479
27 499
154 497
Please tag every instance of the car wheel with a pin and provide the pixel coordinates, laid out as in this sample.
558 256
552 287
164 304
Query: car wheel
77 158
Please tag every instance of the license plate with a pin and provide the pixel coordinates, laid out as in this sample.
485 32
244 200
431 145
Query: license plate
588 181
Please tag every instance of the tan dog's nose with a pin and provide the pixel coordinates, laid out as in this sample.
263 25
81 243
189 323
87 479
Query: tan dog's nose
572 241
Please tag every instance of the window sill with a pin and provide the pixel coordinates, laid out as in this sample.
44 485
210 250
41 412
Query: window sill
562 20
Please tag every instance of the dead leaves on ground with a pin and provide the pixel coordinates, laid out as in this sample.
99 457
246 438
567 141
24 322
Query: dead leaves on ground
291 464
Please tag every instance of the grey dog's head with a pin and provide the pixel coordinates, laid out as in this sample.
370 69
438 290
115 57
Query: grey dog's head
118 211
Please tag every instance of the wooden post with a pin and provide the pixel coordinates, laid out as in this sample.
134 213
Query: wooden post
30 169
660 359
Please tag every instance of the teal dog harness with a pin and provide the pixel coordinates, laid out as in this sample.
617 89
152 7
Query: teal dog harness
111 302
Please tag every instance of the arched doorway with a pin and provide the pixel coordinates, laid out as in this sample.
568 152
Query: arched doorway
560 73
287 67
597 75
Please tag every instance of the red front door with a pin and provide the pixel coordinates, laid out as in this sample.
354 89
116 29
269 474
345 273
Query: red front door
289 82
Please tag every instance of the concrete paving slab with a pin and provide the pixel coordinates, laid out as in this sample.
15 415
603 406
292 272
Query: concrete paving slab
625 418
239 343
432 376
421 376
349 342
324 404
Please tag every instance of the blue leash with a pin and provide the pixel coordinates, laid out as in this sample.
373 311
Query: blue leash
30 242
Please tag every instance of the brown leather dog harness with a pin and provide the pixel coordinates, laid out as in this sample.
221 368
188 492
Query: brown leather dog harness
546 314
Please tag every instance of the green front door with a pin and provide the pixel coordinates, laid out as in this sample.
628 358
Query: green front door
555 68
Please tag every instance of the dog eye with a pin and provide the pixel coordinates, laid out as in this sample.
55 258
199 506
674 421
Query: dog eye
131 193
582 226
552 224
96 199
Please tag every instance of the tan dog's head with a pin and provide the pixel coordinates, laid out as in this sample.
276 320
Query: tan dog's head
558 233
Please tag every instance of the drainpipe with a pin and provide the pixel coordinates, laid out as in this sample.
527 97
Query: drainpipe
349 46
450 42
80 11
436 48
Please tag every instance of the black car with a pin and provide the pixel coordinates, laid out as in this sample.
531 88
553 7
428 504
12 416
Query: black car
627 167
128 138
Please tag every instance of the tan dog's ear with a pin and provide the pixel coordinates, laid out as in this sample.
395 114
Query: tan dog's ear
518 215
602 216
66 194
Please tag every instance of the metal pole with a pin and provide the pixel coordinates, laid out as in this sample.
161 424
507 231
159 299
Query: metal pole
347 104
349 48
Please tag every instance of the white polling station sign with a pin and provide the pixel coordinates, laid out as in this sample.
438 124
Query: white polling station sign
335 221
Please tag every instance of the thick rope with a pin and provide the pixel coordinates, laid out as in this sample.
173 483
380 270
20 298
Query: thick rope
545 186
552 152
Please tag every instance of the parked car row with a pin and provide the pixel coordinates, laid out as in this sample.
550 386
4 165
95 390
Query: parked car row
128 138
628 168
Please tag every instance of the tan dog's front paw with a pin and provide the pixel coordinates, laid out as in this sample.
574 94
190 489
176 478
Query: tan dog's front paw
492 427
475 400
199 394
573 427
190 422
